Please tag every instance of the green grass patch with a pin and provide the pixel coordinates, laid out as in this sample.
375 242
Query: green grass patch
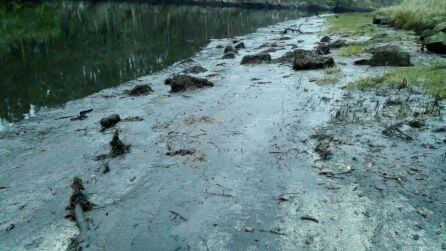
351 50
416 14
332 75
431 78
351 24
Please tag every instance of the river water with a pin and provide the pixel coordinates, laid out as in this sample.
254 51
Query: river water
51 53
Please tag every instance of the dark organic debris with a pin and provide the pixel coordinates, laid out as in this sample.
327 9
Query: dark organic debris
139 90
256 58
182 152
439 129
394 131
10 227
133 119
82 115
78 199
194 70
277 232
323 150
416 123
109 121
322 49
309 218
3 187
307 60
117 146
240 46
104 168
180 83
101 157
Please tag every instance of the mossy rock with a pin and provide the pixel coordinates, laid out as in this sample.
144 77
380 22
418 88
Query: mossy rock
390 56
440 27
436 43
426 33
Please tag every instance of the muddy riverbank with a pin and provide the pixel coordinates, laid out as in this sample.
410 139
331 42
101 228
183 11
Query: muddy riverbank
265 159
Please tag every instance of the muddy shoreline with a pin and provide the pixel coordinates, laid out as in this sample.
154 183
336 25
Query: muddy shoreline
265 159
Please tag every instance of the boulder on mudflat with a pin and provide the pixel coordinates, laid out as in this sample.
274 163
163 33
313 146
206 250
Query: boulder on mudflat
256 58
139 90
180 83
325 39
389 56
436 43
240 46
308 60
109 121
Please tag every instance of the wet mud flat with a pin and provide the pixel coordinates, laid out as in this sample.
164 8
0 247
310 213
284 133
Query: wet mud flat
262 159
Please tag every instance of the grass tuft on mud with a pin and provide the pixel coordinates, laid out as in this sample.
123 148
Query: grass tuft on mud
431 78
351 50
351 24
332 75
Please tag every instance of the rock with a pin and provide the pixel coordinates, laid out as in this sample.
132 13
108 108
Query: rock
300 41
139 90
228 55
256 58
361 61
284 38
229 52
436 43
288 57
439 129
219 46
325 39
240 46
268 44
307 60
180 83
440 27
117 146
381 20
322 49
389 56
10 227
230 49
182 152
426 33
338 43
194 70
109 121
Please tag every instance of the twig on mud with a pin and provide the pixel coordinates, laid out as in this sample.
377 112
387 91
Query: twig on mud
309 218
221 194
212 143
272 232
3 187
179 215
163 166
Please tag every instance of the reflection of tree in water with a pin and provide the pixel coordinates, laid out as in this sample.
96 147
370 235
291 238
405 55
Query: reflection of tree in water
83 48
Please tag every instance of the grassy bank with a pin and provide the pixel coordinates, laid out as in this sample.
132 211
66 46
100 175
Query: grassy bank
431 78
416 14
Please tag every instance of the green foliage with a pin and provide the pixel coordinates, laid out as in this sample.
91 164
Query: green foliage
416 14
432 78
351 24
351 50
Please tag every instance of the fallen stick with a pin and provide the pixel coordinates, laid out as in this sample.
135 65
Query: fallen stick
179 215
309 218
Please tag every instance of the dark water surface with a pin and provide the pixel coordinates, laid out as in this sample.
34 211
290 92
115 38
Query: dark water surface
55 52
